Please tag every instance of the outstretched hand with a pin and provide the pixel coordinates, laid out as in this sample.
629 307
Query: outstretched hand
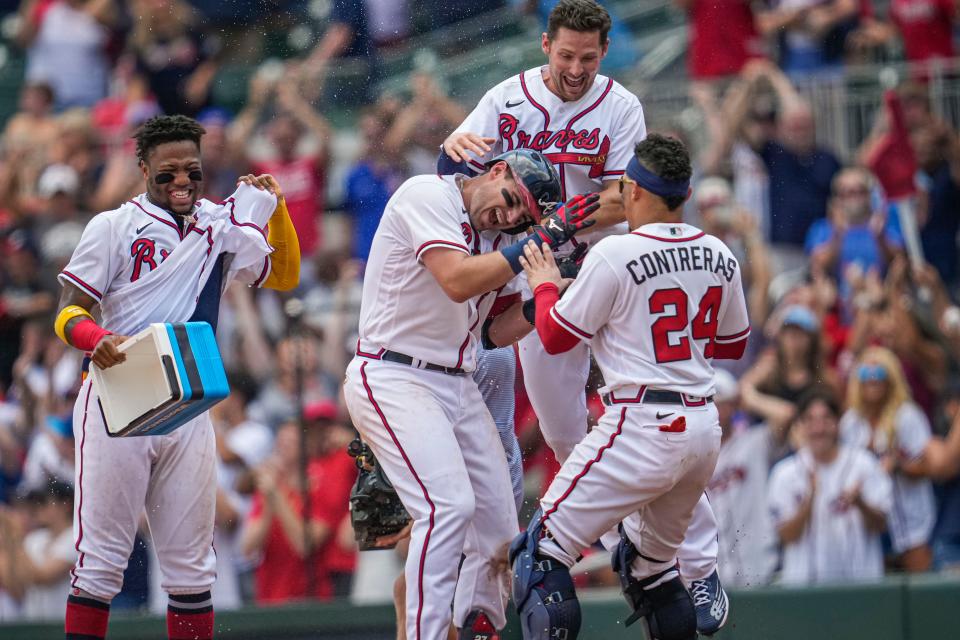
539 265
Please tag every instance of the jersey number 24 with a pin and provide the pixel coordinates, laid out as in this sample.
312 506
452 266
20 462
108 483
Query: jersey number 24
703 327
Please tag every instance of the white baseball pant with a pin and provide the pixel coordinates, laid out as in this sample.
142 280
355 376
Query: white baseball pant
439 447
172 478
629 465
563 422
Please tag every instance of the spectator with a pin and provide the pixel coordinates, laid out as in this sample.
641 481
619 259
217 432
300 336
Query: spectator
371 181
275 530
302 173
829 502
738 229
738 489
811 34
33 127
335 471
722 37
925 27
883 419
800 171
938 155
66 43
855 233
787 370
39 561
420 127
348 37
946 533
222 161
179 60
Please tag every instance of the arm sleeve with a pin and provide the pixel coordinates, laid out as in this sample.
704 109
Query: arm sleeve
429 218
484 121
819 234
94 264
632 130
733 327
587 304
913 432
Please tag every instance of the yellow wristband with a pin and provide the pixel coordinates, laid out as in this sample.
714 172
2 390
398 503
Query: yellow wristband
66 315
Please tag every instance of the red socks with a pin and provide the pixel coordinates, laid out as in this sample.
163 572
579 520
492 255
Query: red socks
190 616
86 618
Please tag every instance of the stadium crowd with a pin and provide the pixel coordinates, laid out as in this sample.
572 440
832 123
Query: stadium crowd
841 454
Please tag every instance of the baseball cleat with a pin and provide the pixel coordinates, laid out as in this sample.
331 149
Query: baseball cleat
477 626
710 601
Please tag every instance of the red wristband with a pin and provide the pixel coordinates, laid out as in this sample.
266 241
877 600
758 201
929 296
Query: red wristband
86 334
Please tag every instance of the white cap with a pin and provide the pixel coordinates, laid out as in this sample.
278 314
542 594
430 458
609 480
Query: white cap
712 191
725 386
58 178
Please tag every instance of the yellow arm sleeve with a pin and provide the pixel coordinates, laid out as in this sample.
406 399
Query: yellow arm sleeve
67 314
285 260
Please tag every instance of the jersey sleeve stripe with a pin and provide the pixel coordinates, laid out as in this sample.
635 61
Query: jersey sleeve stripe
478 165
263 274
237 223
444 243
569 326
612 173
736 337
83 285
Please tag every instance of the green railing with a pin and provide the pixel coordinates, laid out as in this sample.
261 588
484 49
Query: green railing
920 608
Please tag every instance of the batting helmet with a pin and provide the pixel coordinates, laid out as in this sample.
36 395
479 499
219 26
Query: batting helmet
538 180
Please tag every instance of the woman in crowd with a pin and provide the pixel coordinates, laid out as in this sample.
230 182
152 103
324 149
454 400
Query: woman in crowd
883 418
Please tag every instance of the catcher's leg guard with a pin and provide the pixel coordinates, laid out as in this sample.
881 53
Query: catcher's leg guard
667 608
543 590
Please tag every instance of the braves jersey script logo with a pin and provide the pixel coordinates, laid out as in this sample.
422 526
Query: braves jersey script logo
581 141
142 251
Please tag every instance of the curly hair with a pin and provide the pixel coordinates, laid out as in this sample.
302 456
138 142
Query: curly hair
579 15
161 129
668 158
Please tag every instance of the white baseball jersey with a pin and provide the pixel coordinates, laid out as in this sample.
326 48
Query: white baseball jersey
738 494
404 309
655 304
589 140
132 260
836 545
914 510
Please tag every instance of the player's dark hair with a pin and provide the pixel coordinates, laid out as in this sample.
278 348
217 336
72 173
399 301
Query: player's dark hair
818 394
162 129
668 158
579 15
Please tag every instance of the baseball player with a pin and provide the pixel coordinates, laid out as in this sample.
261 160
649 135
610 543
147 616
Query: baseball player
164 256
586 124
657 305
437 263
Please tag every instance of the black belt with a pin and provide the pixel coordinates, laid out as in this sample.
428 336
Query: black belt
660 396
402 358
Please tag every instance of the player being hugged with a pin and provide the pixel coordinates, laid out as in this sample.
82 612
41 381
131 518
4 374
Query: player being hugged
587 125
164 256
438 261
656 305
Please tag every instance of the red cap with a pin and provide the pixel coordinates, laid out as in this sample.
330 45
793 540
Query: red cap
321 410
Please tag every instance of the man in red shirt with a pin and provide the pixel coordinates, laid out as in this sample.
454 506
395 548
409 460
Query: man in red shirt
722 37
275 532
926 27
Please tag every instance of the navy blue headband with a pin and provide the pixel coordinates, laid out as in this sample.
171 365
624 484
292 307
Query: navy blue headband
654 183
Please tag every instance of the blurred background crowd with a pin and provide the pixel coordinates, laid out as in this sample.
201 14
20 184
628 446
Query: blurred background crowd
826 156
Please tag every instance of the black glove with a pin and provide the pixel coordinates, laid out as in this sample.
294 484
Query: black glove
570 265
557 227
375 507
